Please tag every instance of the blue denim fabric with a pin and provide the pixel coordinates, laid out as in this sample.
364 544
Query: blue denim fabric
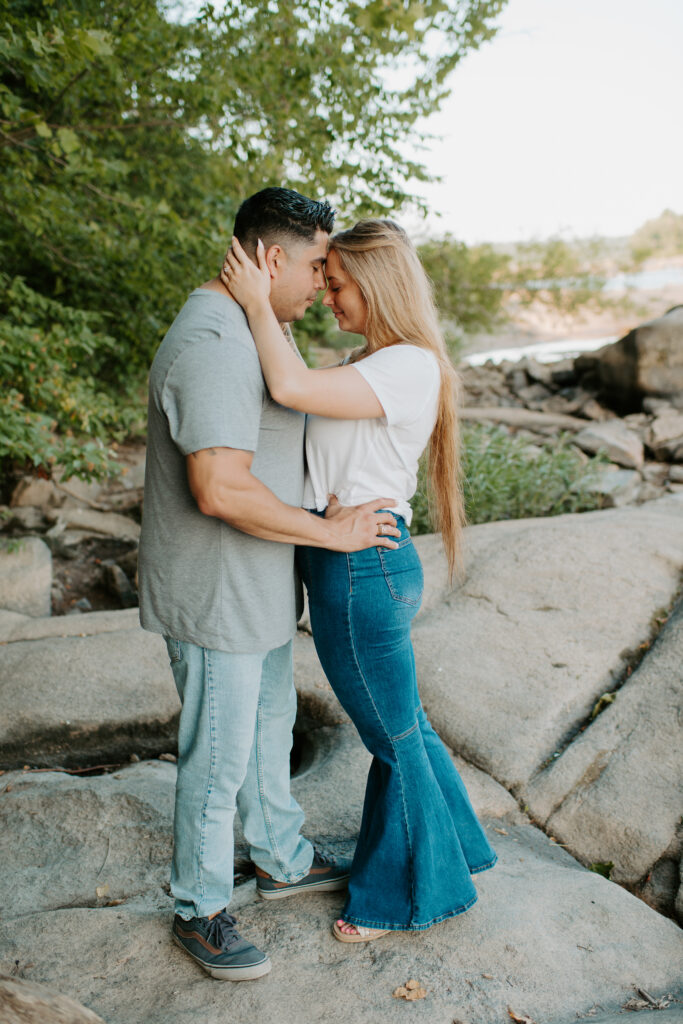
234 741
420 840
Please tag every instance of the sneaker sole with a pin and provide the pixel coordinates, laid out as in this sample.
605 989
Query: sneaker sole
249 973
281 894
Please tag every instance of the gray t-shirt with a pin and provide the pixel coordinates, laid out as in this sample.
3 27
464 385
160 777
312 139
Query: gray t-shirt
200 579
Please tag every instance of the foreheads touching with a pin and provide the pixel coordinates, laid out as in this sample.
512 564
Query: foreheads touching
281 216
379 258
295 232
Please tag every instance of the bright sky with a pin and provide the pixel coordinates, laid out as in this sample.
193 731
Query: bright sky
568 121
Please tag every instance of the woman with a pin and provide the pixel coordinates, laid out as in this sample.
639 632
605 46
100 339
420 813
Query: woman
369 422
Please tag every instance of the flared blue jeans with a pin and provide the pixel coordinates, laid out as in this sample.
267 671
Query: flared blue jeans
420 840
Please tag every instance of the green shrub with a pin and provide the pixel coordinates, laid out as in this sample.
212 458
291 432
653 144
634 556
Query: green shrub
504 479
55 409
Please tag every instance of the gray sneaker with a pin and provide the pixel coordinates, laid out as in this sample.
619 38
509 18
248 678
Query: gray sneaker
326 875
218 947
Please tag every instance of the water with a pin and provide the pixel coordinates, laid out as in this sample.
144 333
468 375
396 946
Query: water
645 279
566 348
544 352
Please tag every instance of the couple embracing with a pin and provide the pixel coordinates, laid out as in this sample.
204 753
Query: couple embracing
261 471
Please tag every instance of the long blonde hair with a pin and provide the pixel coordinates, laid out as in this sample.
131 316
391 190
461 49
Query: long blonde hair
383 262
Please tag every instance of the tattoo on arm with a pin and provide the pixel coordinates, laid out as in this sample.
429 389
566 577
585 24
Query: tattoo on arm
211 451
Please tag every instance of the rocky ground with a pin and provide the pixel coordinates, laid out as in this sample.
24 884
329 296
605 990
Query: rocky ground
553 671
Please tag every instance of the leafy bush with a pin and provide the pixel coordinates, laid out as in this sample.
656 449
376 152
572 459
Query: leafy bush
504 479
55 408
466 283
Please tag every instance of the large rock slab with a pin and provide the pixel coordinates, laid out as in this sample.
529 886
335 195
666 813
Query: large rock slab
86 909
538 909
26 576
548 618
24 1002
84 841
615 793
88 841
22 627
79 699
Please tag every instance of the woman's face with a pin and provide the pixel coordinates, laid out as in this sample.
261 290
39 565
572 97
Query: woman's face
344 297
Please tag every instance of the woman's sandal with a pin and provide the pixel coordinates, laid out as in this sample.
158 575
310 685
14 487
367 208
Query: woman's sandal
360 934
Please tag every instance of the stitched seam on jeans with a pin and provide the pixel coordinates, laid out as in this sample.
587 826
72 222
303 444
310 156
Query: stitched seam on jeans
262 791
484 867
176 654
392 926
393 746
212 766
403 735
387 576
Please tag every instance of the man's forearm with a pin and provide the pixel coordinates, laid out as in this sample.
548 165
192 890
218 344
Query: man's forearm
253 508
222 484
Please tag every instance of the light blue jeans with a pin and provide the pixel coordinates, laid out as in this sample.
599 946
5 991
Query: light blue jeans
234 742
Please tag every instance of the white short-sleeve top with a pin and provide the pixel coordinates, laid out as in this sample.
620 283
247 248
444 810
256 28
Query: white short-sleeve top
360 460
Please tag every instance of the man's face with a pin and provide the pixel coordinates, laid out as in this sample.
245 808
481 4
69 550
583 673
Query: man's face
297 273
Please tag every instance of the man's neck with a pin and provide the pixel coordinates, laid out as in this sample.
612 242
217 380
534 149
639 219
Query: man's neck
216 285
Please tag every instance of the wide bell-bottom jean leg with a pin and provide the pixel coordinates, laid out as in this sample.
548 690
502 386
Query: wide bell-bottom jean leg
419 839
233 735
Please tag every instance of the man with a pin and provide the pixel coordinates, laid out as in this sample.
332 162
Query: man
223 490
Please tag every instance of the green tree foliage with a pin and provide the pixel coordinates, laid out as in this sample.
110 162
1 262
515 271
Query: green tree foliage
662 236
467 285
474 285
558 273
54 410
130 131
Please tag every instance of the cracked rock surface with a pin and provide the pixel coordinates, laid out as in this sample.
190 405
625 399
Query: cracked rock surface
511 664
615 793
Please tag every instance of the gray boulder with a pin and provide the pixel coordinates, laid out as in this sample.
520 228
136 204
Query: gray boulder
32 490
622 445
647 362
89 520
88 902
665 437
616 487
25 576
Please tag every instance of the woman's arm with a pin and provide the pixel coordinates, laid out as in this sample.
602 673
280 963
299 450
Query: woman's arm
340 392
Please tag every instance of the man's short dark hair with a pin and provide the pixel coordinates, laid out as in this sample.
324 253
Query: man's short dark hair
278 214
